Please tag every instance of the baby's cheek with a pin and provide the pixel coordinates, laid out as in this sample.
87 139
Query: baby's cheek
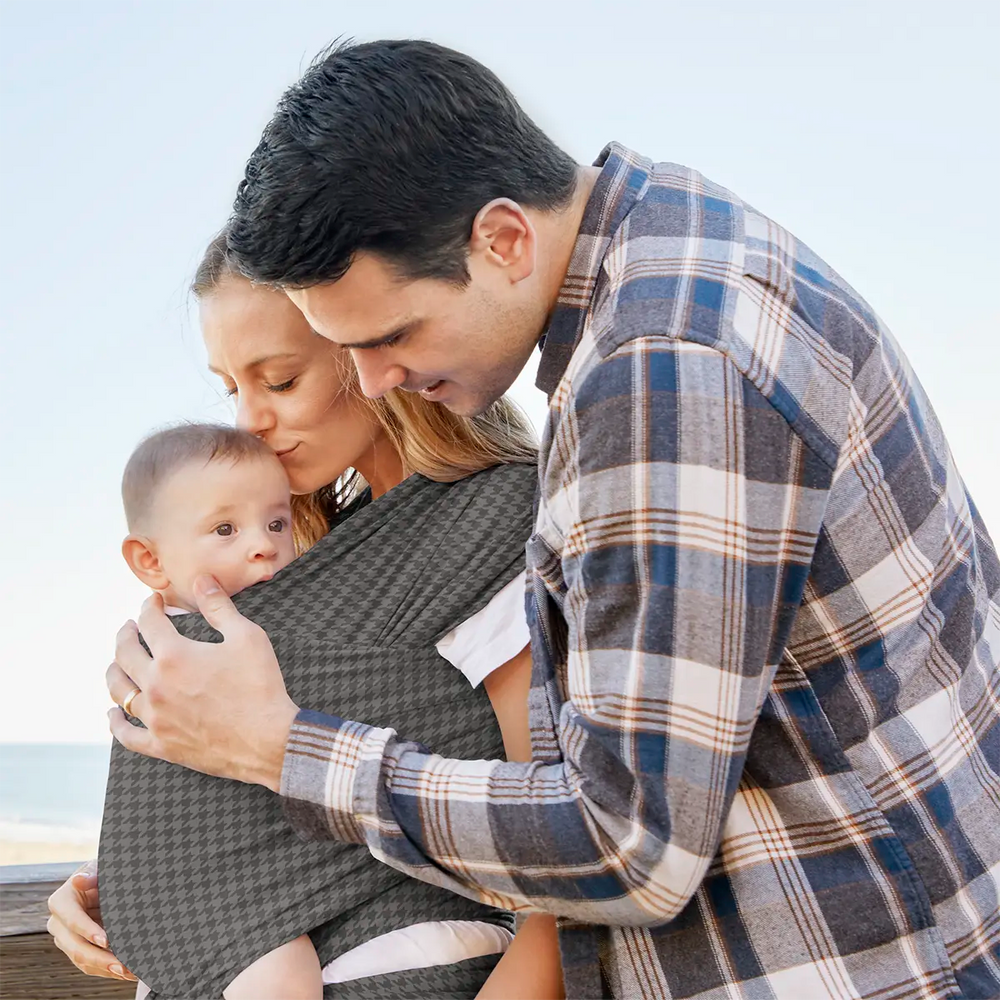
286 550
232 579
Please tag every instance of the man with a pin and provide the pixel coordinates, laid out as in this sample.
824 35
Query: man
765 614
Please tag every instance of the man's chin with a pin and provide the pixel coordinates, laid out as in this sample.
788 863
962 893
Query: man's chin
469 404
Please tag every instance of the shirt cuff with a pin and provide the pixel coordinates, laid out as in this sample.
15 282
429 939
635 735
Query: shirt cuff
319 774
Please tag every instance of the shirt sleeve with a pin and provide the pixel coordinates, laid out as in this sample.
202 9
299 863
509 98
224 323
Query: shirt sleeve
491 636
683 510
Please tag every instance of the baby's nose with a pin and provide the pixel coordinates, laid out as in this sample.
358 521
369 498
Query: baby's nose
264 547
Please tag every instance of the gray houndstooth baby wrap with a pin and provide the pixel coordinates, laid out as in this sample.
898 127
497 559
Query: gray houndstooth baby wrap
201 876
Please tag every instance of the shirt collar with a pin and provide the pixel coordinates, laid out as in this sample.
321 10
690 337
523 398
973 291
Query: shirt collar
624 176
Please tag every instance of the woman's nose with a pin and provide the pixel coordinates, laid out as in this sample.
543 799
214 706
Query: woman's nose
252 416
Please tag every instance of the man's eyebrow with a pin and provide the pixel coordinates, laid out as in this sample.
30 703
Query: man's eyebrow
387 338
258 362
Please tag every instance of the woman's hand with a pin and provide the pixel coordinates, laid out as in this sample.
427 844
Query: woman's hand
75 926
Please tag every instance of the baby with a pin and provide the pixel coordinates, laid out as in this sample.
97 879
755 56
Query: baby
205 498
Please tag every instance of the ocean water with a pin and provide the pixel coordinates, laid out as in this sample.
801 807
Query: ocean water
52 792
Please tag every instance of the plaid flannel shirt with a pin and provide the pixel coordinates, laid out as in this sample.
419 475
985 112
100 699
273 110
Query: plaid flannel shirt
765 629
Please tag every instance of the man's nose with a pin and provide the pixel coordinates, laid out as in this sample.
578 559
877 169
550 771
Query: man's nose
375 375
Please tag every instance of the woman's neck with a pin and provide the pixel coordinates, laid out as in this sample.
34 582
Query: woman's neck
381 466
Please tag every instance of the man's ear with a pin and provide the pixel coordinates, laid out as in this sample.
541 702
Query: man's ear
503 235
140 554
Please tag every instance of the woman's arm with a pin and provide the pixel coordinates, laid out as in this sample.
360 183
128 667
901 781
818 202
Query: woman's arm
508 688
531 968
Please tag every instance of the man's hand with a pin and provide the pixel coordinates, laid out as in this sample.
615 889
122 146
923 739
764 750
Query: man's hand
219 708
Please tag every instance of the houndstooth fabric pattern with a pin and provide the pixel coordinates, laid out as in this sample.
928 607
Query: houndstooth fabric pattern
201 876
449 982
765 624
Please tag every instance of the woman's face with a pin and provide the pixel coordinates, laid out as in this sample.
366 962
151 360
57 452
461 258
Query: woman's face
292 388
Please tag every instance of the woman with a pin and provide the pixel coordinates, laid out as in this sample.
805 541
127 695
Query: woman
297 392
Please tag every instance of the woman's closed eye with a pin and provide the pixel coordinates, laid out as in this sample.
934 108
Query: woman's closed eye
233 390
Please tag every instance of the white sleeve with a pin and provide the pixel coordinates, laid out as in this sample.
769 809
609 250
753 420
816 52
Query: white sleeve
490 637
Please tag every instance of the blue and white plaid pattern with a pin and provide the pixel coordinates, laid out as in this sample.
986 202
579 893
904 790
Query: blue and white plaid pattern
765 624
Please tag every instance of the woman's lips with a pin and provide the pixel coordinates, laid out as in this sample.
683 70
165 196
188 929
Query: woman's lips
286 451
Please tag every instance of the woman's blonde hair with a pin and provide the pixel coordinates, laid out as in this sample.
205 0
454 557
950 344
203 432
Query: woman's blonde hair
430 439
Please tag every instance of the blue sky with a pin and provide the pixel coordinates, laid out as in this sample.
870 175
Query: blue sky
868 129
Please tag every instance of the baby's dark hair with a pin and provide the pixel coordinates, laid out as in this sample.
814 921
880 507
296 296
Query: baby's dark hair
162 453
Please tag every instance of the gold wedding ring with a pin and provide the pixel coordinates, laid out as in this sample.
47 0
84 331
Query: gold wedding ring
127 703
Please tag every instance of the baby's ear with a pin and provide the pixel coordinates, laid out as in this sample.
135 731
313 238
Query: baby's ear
140 554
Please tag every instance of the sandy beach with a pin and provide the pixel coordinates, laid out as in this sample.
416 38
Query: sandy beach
27 852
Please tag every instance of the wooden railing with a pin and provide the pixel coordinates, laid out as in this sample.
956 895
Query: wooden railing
31 966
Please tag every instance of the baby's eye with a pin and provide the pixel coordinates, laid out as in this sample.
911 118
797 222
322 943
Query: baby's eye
278 525
224 529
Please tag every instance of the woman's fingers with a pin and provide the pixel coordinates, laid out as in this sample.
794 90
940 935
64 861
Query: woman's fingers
85 884
74 930
87 957
76 933
88 870
84 881
71 911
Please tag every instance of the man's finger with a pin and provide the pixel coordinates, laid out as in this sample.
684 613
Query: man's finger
129 654
155 625
218 610
131 737
120 685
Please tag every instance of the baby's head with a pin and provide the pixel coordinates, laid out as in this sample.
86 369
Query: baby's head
205 498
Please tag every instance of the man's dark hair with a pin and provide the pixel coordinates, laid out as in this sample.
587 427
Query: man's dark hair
390 147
